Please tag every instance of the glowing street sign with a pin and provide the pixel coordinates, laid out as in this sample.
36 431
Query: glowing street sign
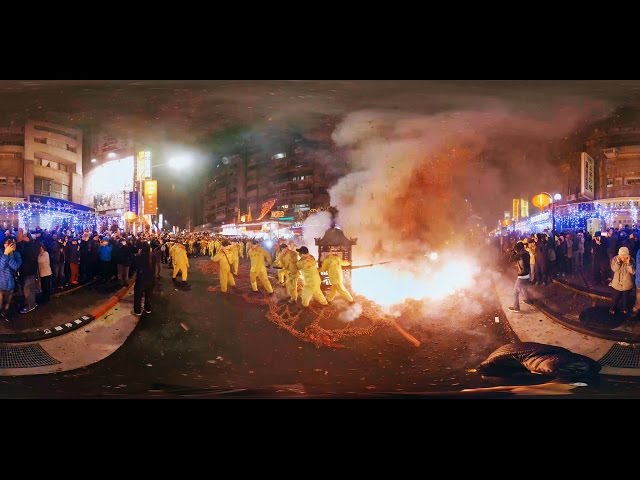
524 208
150 197
144 164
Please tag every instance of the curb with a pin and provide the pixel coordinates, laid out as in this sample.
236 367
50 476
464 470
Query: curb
75 289
604 334
588 293
111 302
69 326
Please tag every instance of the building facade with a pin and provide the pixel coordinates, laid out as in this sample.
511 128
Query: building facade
602 181
41 158
287 184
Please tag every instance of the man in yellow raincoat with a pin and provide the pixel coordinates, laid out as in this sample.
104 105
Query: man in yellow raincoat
180 261
309 267
289 261
234 256
223 257
333 264
282 272
258 256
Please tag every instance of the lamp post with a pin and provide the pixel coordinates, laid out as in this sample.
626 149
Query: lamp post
556 198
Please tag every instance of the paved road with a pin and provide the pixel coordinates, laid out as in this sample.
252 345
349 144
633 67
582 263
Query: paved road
199 340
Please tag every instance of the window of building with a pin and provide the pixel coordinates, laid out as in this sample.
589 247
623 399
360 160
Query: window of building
618 181
609 182
49 188
72 149
42 128
40 140
63 167
632 181
301 177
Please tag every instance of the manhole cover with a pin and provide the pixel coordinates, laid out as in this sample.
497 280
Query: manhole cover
622 356
25 356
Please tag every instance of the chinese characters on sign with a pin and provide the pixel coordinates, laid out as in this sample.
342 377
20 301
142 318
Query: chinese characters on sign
516 209
587 170
144 165
524 208
150 197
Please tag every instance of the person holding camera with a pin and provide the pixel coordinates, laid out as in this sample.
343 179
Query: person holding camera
520 257
624 269
10 262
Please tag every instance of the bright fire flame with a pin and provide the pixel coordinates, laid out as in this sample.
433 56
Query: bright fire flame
392 284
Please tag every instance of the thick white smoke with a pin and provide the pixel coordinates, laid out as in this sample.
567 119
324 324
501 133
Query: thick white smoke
351 313
417 179
314 227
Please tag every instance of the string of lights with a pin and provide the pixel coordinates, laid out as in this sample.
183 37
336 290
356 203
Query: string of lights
577 216
31 215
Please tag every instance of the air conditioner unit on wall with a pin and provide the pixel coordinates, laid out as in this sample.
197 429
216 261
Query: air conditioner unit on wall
610 152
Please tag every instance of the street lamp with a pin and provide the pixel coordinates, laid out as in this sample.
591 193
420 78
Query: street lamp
180 162
556 198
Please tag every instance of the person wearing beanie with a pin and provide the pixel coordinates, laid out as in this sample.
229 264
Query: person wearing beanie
623 267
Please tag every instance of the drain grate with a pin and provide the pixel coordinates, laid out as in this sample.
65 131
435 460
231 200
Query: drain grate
25 356
622 356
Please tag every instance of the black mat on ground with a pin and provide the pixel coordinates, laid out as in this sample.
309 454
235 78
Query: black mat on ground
601 317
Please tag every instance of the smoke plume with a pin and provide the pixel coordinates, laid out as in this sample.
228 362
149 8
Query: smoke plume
426 182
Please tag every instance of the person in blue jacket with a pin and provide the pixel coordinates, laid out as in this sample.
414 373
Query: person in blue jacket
10 262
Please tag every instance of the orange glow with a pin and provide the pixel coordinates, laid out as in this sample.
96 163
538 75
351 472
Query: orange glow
541 200
394 283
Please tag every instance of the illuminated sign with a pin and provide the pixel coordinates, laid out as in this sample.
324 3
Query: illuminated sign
150 197
516 209
587 176
144 164
106 186
61 205
524 208
507 215
133 202
277 214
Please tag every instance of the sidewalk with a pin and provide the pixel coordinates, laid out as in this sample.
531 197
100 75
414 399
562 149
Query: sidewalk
63 307
590 308
552 319
111 324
